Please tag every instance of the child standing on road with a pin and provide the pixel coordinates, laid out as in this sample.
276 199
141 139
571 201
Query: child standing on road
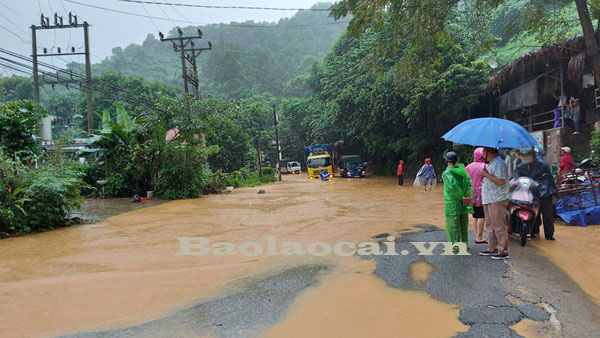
458 192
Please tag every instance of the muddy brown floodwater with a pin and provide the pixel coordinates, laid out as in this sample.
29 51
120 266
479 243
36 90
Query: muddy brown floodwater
124 270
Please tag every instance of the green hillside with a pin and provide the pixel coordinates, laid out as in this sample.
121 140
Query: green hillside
247 57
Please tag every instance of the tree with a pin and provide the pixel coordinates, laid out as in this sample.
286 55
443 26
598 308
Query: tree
18 127
589 34
417 27
15 88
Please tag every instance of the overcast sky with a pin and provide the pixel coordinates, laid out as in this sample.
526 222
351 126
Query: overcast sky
109 29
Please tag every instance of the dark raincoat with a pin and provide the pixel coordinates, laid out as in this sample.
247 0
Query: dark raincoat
540 172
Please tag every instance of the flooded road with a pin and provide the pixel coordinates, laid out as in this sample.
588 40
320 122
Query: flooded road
123 272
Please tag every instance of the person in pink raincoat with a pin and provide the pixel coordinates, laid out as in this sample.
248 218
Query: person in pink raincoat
474 169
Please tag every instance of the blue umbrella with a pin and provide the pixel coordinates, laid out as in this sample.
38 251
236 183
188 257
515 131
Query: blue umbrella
490 132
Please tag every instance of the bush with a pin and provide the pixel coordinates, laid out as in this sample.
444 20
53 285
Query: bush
246 178
37 198
51 194
183 173
12 181
268 171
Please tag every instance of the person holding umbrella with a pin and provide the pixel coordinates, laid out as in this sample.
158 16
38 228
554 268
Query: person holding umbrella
492 134
494 195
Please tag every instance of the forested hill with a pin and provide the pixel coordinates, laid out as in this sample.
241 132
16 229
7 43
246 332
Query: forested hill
247 57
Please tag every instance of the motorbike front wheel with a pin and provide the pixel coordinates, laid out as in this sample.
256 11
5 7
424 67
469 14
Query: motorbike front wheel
523 231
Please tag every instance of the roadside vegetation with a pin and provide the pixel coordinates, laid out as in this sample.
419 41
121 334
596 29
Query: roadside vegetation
385 83
40 187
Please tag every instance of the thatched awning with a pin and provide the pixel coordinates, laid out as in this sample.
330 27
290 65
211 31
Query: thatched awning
539 62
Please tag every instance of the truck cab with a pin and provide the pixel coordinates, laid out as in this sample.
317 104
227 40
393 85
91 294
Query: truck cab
317 163
345 161
293 167
353 169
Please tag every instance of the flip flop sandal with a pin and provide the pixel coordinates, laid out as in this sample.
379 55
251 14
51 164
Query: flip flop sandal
482 242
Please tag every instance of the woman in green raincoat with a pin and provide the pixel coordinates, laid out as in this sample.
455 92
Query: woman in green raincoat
458 192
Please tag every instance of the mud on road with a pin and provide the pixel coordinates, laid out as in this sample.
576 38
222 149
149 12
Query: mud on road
121 277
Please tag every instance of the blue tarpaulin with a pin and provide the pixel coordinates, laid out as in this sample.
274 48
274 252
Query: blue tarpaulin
580 211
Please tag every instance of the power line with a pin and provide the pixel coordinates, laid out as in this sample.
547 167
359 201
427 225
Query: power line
28 20
228 7
12 22
165 13
15 34
14 68
17 13
82 85
151 20
177 11
78 78
203 23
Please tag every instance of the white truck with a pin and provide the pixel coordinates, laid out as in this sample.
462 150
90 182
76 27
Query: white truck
293 167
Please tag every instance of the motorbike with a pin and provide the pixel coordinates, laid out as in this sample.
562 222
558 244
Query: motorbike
586 170
522 207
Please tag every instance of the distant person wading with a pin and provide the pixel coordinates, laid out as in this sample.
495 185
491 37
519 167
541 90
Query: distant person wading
426 176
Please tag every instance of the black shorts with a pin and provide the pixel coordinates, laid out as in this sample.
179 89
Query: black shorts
478 212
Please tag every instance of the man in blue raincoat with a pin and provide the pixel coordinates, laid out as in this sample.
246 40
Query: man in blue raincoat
458 191
325 175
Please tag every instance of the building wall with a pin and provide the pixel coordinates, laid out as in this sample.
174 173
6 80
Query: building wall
553 141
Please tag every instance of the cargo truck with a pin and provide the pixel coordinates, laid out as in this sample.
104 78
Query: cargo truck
318 157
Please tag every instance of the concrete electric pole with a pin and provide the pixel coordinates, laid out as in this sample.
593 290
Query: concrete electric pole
188 52
46 131
275 123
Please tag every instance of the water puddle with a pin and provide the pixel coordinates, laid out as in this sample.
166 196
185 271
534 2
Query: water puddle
527 328
355 303
421 271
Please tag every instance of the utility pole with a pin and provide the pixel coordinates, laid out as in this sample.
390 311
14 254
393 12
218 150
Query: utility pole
189 54
59 24
258 157
275 123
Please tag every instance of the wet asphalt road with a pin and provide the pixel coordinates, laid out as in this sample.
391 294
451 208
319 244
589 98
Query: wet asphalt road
492 295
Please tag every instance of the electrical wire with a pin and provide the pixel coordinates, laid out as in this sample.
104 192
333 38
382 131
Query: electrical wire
62 4
228 7
204 23
12 22
167 15
60 37
15 34
151 20
94 81
177 11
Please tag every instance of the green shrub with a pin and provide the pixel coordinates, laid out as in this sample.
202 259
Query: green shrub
51 193
12 181
182 173
268 171
37 198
